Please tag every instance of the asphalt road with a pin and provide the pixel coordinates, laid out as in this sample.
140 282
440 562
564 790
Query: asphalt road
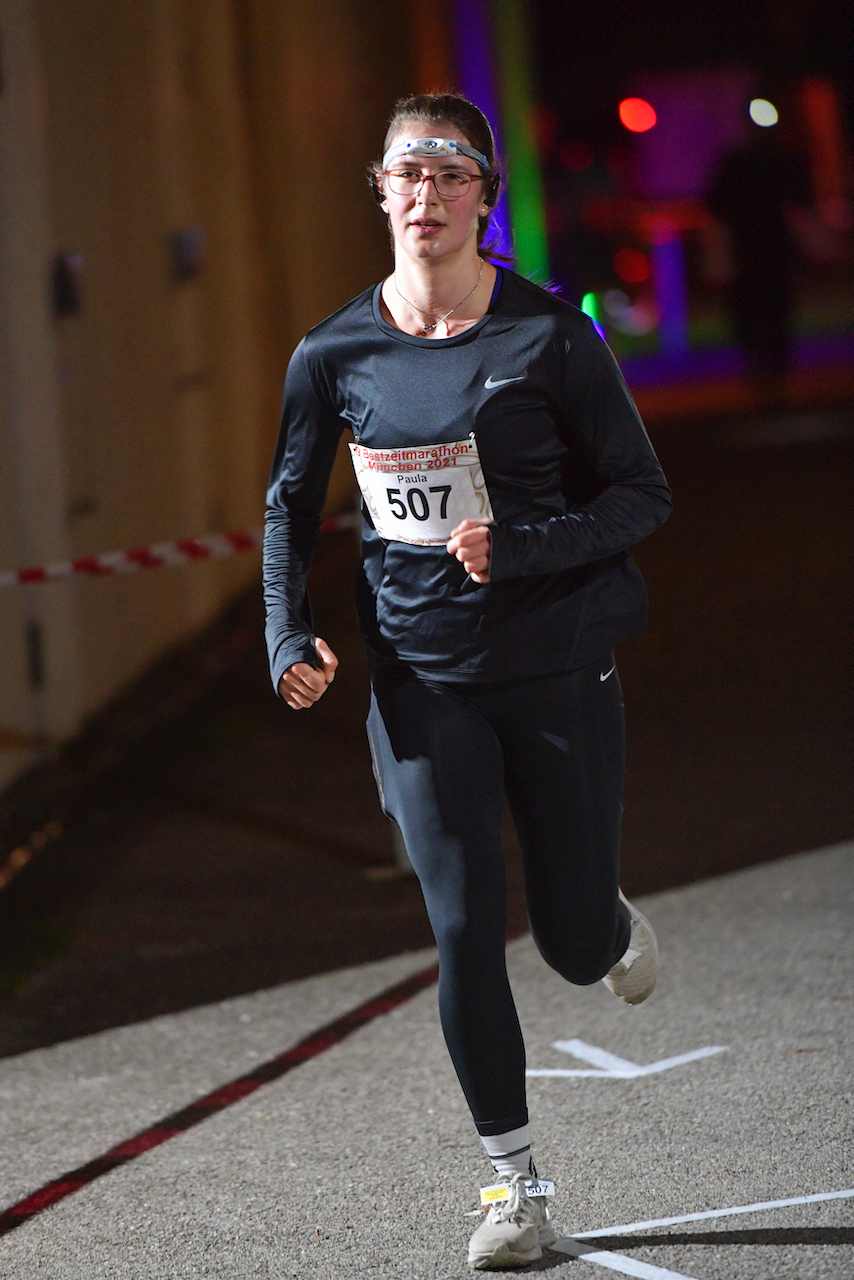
362 1159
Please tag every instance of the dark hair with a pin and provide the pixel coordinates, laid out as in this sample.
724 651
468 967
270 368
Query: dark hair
436 109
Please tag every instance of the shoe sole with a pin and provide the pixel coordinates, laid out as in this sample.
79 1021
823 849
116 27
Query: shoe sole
502 1259
639 990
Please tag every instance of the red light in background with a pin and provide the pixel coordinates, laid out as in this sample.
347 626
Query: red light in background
544 121
575 156
637 115
631 265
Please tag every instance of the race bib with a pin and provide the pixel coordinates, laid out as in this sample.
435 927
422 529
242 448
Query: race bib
501 1191
420 495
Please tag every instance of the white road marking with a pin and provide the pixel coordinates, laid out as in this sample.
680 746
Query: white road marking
573 1245
593 1054
715 1213
616 1261
610 1067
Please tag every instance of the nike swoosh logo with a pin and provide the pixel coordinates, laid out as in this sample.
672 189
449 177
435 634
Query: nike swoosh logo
500 382
604 677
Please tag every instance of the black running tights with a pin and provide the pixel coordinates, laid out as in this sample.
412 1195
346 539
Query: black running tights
443 757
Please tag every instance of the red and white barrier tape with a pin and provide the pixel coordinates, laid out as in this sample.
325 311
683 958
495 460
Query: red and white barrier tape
214 546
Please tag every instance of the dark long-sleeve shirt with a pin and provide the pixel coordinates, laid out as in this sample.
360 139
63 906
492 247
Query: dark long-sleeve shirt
572 478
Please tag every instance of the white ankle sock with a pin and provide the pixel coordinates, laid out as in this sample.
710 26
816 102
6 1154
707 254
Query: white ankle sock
509 1152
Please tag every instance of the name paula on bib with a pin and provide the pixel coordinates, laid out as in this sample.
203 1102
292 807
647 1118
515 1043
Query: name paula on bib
420 495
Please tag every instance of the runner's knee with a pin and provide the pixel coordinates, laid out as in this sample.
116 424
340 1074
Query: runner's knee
579 956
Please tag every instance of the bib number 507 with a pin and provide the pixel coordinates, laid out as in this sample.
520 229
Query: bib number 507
418 502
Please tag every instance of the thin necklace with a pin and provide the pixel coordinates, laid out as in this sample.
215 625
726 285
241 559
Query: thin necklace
428 328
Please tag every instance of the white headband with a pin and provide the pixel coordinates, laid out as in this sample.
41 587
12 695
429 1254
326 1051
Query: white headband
433 147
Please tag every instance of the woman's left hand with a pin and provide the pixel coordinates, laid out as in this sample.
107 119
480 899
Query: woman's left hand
471 542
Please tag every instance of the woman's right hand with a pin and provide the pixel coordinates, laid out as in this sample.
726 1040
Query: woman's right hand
302 685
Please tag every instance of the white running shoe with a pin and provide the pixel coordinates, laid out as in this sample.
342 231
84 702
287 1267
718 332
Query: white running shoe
633 977
516 1226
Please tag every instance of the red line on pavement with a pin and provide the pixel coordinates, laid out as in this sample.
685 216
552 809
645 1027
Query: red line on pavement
226 1095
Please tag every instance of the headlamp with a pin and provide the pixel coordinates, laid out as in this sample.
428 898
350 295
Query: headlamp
433 147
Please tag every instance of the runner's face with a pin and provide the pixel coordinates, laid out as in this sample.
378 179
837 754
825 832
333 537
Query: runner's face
424 225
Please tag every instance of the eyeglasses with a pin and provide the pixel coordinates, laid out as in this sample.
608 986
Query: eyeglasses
450 184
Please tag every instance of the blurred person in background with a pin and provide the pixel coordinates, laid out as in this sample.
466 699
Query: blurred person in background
758 191
504 473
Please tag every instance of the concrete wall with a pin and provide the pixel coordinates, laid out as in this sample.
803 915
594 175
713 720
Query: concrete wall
39 687
150 414
321 80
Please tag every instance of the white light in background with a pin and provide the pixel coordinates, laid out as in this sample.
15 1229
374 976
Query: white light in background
763 113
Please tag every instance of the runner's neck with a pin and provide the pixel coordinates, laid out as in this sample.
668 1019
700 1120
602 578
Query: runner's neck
417 295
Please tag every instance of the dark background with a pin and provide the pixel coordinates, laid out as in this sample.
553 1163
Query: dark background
587 54
201 840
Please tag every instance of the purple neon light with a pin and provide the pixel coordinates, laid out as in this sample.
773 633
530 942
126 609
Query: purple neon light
707 363
671 293
475 64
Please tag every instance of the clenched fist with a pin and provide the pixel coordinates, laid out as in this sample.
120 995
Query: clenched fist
302 685
471 542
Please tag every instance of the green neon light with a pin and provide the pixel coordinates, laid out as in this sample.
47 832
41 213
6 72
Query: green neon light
525 194
590 306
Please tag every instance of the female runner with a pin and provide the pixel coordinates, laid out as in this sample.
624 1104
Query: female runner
504 473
